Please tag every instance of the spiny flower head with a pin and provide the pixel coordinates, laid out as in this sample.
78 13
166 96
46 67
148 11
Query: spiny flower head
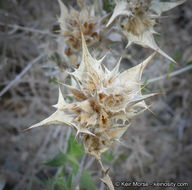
102 97
69 21
138 18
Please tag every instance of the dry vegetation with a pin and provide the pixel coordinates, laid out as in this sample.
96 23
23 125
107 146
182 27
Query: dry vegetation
155 148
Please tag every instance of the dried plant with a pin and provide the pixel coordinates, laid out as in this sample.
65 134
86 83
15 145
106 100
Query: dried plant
138 18
105 101
97 105
91 25
69 24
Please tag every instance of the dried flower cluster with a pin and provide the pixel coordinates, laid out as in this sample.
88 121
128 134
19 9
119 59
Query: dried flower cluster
138 18
105 101
69 23
101 98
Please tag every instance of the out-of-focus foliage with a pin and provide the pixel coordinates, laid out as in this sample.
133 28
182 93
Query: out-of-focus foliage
69 162
108 5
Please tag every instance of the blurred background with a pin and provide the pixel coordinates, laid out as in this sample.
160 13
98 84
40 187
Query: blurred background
157 147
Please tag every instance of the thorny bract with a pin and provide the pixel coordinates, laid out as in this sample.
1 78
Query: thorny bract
138 18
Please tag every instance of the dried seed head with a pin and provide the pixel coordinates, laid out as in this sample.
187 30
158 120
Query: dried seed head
102 97
139 19
105 102
70 21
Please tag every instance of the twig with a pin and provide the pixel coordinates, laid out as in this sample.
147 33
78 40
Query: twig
174 73
18 77
24 28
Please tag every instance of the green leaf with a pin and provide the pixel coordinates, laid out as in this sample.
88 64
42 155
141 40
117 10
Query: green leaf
157 37
54 80
30 184
170 68
108 156
69 99
56 58
74 148
69 181
60 184
56 184
143 87
177 56
86 181
108 5
73 161
123 157
59 160
74 151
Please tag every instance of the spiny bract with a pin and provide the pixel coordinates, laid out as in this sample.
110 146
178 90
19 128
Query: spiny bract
102 97
138 19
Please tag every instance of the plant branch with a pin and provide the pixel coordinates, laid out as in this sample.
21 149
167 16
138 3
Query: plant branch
24 28
20 75
172 74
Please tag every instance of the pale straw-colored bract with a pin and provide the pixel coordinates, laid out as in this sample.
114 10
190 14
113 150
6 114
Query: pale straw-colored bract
138 18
